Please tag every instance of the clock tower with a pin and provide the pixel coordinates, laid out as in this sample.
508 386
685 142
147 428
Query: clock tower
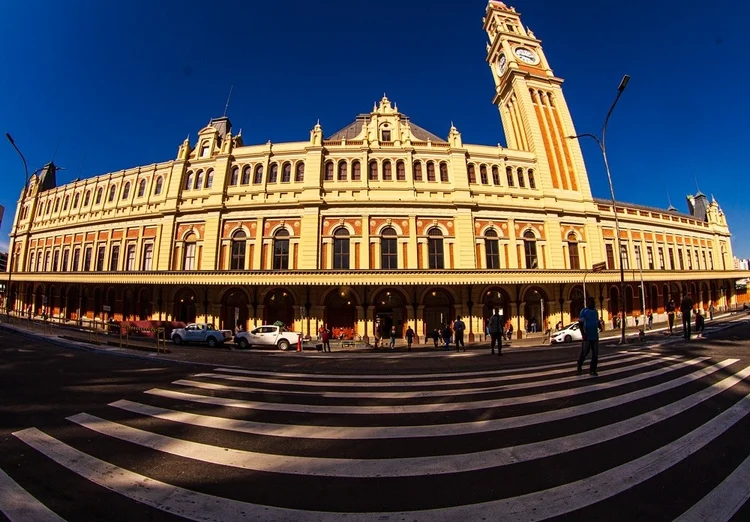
532 107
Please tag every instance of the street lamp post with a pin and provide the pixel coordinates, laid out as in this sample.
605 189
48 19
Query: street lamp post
603 147
23 197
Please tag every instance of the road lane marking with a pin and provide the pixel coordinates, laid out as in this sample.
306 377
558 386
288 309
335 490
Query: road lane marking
393 432
397 467
724 500
421 408
20 506
534 506
406 376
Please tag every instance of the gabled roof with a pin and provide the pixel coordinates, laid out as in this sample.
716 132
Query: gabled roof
352 130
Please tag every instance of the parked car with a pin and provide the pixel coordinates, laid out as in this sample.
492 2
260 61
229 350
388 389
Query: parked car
200 333
568 334
268 335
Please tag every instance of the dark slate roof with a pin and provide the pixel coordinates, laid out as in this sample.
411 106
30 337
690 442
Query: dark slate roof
603 201
352 130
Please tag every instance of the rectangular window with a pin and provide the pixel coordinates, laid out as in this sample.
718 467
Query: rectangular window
386 135
388 254
341 254
637 252
624 257
435 253
148 257
689 260
610 257
281 254
672 266
682 259
100 259
130 259
189 263
55 261
697 260
114 258
66 256
711 259
661 258
87 260
492 253
76 259
650 254
705 265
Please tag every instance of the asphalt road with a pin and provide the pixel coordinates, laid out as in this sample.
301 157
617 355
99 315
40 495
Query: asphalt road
660 434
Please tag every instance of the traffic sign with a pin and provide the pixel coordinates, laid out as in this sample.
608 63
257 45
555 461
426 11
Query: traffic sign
598 267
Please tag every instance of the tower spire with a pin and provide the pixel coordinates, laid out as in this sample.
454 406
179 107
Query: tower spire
226 107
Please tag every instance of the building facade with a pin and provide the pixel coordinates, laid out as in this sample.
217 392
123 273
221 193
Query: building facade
381 223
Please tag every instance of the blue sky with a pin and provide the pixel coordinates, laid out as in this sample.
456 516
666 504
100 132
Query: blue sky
110 85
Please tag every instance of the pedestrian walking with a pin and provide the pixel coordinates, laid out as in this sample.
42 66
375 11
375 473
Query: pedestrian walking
711 311
650 318
447 334
409 338
496 333
686 307
458 330
510 332
588 322
325 337
392 342
436 336
670 315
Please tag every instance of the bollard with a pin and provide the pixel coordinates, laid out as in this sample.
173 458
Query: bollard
299 343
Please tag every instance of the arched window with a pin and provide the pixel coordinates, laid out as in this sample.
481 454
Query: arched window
258 179
509 175
492 249
126 190
483 175
472 173
188 258
328 171
31 262
281 250
76 260
48 261
532 181
341 249
67 199
86 260
238 250
273 176
443 173
246 174
199 180
86 198
234 178
57 205
342 171
388 249
56 260
417 171
148 257
387 176
130 257
204 149
521 182
373 171
529 247
114 258
400 171
49 206
435 248
210 178
430 171
39 266
286 173
158 186
299 171
99 196
112 193
575 263
495 176
356 171
189 181
76 199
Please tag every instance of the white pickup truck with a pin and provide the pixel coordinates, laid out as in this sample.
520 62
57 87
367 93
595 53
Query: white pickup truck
267 335
201 333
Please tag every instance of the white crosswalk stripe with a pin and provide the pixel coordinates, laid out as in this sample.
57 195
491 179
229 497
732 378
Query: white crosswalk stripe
347 436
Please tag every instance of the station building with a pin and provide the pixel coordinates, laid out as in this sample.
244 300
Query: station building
379 223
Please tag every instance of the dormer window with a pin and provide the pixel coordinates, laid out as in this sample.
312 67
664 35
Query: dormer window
204 149
386 135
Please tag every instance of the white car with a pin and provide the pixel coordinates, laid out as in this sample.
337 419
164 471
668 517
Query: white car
268 335
200 333
568 334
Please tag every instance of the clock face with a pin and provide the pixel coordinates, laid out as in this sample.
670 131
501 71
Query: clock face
526 55
501 65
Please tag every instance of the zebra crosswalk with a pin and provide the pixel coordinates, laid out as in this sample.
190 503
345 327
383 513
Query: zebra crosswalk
530 443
